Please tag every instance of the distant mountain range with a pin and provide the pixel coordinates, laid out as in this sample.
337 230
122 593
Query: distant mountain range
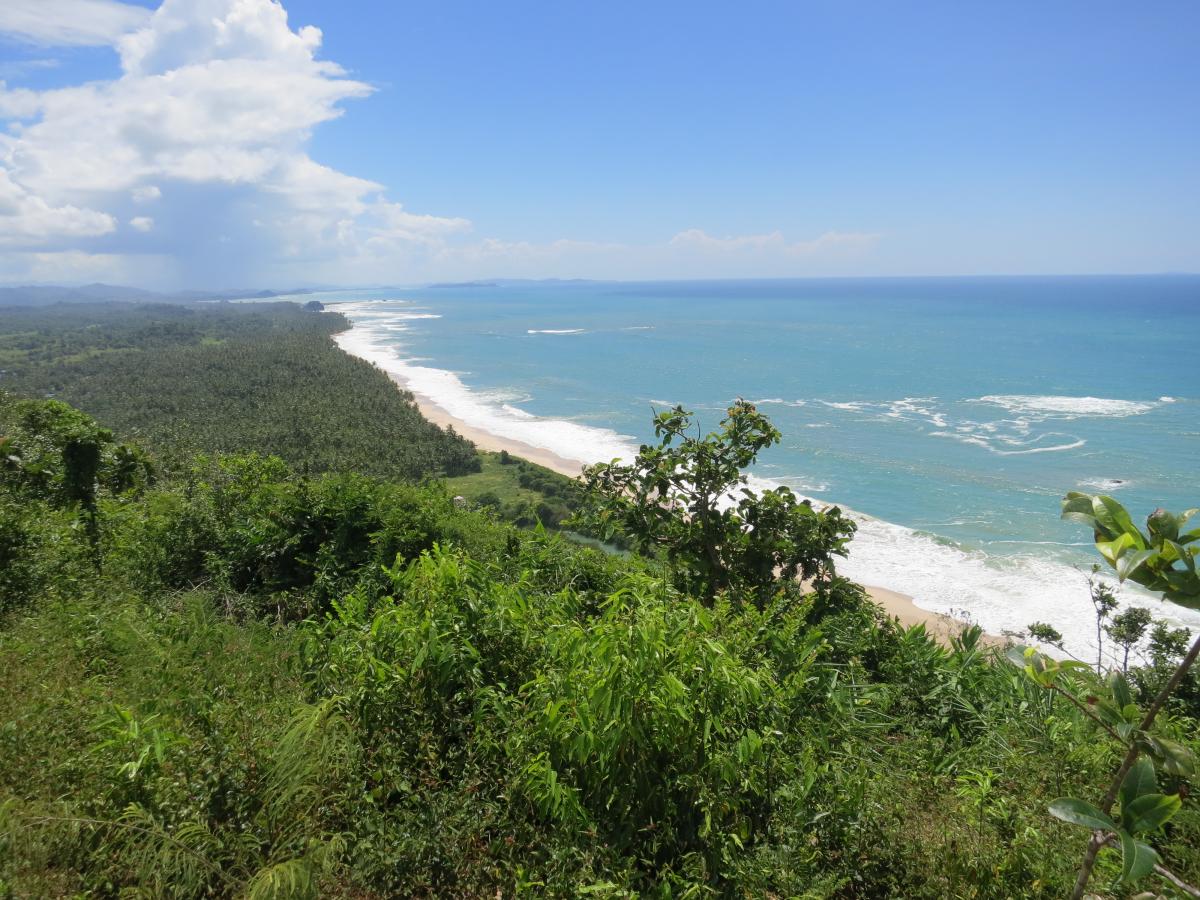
47 295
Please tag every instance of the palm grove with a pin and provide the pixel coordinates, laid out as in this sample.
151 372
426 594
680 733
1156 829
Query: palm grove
235 673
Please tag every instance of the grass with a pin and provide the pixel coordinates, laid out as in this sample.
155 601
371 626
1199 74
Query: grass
517 490
500 479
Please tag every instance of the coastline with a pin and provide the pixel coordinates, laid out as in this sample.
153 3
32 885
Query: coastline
897 605
485 440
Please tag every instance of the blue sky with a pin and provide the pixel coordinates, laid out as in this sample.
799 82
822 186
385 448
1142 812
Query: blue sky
619 140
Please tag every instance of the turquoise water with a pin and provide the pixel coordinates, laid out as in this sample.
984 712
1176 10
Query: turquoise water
952 413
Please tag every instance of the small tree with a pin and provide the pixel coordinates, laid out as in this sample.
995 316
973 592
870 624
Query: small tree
1167 644
1047 634
687 498
1128 629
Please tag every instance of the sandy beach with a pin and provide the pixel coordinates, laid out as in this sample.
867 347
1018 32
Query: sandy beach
897 605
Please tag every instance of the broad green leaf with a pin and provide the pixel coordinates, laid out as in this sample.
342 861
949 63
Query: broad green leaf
1149 811
1112 550
1107 713
1137 859
1139 780
1175 759
1115 519
1120 690
1184 555
1017 655
1129 563
1080 812
1078 507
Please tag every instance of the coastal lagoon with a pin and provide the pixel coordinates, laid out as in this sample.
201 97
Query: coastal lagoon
950 415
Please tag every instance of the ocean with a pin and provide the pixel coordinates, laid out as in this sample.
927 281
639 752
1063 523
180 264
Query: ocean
950 415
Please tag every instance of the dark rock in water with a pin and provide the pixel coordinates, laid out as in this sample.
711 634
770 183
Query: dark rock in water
314 306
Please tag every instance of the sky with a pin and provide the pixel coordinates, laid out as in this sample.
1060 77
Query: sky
244 143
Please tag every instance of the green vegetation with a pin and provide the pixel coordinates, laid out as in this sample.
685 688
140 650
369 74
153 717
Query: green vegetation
1163 558
518 491
687 499
225 378
236 678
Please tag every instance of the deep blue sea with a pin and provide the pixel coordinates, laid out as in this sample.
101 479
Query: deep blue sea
952 414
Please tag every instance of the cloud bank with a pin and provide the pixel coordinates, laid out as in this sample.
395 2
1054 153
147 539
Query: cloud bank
190 169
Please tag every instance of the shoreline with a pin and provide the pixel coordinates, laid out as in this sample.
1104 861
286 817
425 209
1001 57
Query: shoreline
897 605
485 440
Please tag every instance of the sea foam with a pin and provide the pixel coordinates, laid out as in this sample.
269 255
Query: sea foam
1019 433
494 413
1067 406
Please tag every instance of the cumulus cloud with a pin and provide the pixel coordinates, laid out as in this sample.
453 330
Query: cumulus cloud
70 22
208 121
28 220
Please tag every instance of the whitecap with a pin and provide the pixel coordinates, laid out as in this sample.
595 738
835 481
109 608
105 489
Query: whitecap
1066 406
800 484
555 331
850 406
1074 445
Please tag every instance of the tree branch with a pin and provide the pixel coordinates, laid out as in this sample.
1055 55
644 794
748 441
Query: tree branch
1176 880
1087 712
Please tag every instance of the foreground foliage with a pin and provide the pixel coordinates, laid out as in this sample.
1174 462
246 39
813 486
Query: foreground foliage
268 684
1162 558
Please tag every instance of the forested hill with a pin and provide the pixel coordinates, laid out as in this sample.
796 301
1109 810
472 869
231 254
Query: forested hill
226 377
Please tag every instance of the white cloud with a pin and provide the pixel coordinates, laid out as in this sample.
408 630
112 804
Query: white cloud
208 121
19 103
147 193
70 22
27 220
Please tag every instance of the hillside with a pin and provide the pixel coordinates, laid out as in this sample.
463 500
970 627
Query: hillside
232 676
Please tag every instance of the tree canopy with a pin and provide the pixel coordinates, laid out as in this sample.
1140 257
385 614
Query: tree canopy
688 498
